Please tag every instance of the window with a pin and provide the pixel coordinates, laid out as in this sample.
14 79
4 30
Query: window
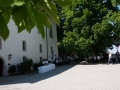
38 32
51 32
0 43
24 45
52 50
24 58
40 48
40 59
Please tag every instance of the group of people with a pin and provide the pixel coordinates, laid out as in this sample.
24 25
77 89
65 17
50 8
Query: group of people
58 61
95 59
113 58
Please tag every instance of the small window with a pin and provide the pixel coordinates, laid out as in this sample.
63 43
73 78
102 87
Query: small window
24 58
38 32
40 48
51 32
40 59
52 50
0 43
24 45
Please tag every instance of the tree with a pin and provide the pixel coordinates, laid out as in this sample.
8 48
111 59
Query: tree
29 13
88 25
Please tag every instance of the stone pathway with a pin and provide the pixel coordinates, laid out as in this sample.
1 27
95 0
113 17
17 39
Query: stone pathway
67 77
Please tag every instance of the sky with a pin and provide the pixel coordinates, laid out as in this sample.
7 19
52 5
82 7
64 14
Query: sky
114 50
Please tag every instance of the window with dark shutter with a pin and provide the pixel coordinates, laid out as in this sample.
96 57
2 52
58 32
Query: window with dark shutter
24 45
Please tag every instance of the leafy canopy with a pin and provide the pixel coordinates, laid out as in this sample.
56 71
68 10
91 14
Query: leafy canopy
29 13
87 25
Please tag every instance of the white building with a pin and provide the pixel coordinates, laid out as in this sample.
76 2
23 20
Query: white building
23 44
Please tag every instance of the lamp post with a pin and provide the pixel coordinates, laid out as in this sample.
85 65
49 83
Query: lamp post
9 56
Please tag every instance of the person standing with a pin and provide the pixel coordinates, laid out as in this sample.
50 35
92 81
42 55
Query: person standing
95 58
98 58
113 58
101 58
76 57
109 57
43 62
54 58
117 57
49 60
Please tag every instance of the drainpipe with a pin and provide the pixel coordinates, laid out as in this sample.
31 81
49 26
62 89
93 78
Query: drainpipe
46 42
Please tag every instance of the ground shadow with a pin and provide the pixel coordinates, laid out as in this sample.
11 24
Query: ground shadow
35 76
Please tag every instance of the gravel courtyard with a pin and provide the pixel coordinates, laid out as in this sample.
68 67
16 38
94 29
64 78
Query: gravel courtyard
67 77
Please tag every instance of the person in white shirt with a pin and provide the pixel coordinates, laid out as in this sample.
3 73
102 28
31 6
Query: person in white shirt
46 62
90 59
71 58
49 60
54 58
109 57
95 58
43 62
98 58
57 62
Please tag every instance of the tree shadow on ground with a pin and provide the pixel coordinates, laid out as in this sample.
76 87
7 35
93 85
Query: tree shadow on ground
35 76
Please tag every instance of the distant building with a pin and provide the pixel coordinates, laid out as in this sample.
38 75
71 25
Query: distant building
24 44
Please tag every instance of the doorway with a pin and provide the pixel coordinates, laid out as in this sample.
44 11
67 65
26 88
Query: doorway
1 66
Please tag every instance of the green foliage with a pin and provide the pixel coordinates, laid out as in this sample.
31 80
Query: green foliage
87 25
12 69
29 13
25 67
35 66
28 62
4 32
115 2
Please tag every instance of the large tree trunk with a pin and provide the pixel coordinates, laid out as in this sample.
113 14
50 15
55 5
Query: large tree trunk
95 50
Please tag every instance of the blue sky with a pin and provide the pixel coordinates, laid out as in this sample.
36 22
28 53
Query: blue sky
114 50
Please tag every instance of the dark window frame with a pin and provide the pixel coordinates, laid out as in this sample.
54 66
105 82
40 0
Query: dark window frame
51 31
0 43
24 46
40 59
51 49
40 48
24 58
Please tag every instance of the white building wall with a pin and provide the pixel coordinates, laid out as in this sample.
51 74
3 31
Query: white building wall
52 41
13 45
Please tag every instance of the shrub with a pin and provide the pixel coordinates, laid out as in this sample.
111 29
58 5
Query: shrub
20 68
12 69
35 66
29 62
40 64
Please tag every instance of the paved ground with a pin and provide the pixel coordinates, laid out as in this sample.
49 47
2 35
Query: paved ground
67 77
